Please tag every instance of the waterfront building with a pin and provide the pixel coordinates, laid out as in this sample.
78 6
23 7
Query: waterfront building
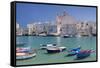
40 28
37 28
31 28
17 26
51 28
19 30
94 29
25 31
85 28
66 24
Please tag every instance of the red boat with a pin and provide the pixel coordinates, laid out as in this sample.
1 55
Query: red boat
84 54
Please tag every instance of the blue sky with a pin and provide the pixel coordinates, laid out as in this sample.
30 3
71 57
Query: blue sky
28 13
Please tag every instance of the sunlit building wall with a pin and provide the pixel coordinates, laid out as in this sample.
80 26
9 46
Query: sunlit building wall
66 24
19 30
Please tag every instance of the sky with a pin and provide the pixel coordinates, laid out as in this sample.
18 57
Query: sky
29 13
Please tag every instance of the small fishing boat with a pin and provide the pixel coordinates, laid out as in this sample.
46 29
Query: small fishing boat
83 54
47 45
25 53
23 49
22 56
74 51
67 36
55 49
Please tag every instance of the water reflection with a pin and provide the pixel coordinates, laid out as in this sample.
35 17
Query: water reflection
58 40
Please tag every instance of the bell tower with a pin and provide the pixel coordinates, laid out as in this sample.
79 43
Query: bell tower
58 22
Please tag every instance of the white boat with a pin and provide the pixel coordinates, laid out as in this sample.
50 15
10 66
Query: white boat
25 56
67 36
53 48
62 48
46 46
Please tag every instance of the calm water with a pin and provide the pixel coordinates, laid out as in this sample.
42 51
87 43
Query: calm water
42 57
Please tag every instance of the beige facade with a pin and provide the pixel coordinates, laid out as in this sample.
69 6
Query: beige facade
65 24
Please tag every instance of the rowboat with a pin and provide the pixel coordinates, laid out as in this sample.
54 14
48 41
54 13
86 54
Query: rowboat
22 56
74 51
25 53
84 54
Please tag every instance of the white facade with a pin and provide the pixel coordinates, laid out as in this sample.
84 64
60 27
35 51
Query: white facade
31 28
19 30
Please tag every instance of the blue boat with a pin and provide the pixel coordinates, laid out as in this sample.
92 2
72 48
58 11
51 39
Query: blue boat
73 51
76 49
84 54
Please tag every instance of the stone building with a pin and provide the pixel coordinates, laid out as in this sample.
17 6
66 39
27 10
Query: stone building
86 28
65 24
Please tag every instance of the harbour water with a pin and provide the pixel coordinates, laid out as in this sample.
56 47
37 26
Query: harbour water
43 58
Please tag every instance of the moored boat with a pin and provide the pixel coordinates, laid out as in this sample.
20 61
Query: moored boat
55 49
84 53
25 53
74 51
67 36
47 45
22 56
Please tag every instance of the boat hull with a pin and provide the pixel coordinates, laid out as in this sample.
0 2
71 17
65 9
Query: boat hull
56 50
82 55
25 56
53 51
71 54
